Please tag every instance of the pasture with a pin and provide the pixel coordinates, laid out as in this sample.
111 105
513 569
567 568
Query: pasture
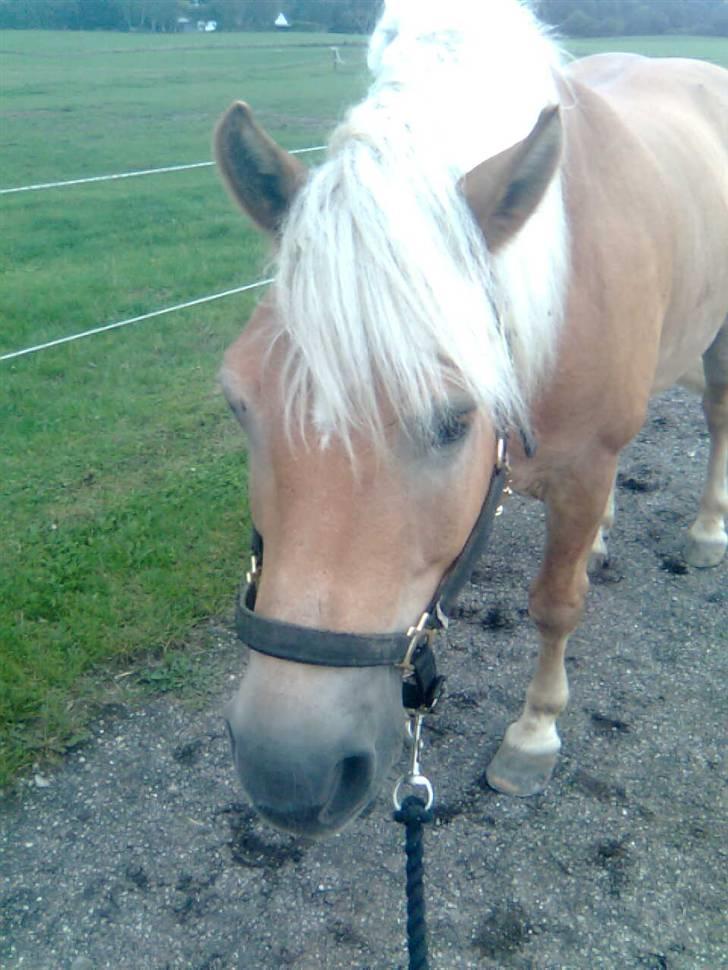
123 478
122 474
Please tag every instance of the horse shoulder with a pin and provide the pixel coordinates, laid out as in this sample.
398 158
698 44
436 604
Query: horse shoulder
620 280
678 108
648 242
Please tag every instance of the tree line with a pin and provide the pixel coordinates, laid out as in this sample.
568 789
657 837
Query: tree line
609 18
577 18
346 16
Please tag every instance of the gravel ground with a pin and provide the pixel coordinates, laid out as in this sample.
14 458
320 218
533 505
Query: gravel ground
138 851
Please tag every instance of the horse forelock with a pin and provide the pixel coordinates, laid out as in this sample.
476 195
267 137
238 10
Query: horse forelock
385 289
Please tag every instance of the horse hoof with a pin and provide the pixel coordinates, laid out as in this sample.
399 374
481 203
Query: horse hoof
520 773
597 562
705 553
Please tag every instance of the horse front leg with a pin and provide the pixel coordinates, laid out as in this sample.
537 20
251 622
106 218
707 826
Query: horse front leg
575 508
707 539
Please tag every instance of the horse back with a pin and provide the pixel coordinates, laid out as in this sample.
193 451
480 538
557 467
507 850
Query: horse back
647 88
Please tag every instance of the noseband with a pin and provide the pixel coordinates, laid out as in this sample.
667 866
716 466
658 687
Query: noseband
411 651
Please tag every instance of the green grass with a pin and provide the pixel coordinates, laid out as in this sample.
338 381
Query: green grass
124 483
713 49
122 477
84 104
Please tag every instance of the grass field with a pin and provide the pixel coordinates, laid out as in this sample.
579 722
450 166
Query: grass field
713 49
122 478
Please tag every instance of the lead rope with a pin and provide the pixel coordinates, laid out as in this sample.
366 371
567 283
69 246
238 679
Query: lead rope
413 812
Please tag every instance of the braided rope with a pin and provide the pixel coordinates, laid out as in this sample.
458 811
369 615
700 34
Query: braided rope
413 815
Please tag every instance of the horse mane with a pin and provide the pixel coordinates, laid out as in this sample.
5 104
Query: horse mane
385 288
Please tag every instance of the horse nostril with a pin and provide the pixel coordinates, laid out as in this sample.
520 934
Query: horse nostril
352 786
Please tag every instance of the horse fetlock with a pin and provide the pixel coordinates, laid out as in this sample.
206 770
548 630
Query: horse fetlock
535 731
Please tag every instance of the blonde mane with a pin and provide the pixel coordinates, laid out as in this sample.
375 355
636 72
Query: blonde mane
385 288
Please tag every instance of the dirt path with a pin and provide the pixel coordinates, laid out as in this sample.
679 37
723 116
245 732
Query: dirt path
139 853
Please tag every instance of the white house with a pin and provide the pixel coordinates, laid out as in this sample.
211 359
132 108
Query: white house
281 21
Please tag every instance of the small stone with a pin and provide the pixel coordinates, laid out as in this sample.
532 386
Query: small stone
82 963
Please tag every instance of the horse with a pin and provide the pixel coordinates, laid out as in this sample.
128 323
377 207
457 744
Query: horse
503 256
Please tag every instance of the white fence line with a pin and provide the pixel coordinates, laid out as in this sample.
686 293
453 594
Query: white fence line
103 178
131 175
125 323
12 355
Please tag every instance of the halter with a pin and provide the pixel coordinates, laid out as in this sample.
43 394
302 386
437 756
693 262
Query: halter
412 651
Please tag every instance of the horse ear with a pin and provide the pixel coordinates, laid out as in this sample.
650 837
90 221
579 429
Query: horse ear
261 176
503 191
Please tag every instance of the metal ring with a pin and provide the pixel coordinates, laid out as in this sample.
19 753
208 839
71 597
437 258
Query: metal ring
501 451
414 781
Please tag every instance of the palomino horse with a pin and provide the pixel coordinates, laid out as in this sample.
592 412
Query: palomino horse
496 243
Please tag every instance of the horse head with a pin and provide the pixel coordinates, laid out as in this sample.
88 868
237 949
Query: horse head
360 526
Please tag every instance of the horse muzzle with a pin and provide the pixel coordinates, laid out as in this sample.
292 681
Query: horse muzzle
312 762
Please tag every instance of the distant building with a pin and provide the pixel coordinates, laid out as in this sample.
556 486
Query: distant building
281 22
186 26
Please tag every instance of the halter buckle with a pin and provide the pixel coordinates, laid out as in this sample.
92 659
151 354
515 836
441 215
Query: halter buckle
253 574
422 686
418 634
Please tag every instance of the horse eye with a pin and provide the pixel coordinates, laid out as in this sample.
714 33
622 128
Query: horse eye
449 427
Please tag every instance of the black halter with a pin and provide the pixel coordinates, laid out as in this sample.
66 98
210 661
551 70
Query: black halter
410 651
